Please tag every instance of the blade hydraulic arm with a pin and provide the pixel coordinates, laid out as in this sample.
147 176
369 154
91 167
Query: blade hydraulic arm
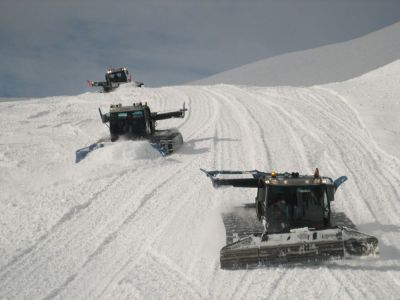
230 180
339 181
168 115
99 83
104 118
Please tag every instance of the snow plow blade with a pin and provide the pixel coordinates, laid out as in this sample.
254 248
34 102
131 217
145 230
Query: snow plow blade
96 83
81 153
298 245
166 141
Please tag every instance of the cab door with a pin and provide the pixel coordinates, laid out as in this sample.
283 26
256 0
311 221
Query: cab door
261 201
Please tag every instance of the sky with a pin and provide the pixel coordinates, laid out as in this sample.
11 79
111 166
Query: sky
51 47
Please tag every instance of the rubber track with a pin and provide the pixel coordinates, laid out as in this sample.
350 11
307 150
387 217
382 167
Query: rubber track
242 221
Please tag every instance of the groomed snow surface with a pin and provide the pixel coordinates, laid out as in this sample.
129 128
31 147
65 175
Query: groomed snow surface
126 223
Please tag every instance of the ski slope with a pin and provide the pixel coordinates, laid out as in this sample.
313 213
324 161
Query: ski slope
331 63
126 223
375 96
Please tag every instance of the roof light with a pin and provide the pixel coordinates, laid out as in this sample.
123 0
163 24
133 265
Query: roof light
273 174
316 173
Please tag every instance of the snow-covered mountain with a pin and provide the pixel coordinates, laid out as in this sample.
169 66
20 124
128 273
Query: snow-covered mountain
331 63
376 98
126 223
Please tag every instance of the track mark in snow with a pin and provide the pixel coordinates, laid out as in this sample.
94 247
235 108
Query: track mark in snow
57 291
39 114
275 286
231 123
130 221
181 277
134 238
111 237
51 240
242 287
72 212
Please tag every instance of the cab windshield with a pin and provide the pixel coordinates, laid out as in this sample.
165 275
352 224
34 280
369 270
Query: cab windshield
131 114
293 207
131 122
119 76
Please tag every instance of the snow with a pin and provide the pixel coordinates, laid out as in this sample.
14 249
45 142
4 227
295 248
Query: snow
376 98
331 63
126 223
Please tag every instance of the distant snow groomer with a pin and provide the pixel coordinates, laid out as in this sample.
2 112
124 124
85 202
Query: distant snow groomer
114 77
297 222
138 122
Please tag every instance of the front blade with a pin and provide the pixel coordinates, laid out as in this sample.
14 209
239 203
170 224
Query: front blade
81 153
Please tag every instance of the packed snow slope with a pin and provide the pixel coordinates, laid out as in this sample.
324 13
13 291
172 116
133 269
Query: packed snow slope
331 63
126 223
376 98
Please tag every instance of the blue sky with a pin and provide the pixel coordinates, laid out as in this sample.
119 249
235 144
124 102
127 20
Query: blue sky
50 47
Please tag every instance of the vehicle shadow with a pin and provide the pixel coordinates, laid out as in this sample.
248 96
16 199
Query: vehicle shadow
191 147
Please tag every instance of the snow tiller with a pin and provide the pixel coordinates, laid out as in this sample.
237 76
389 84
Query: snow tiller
293 221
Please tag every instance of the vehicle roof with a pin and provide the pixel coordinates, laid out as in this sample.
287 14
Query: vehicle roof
297 180
112 70
120 108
